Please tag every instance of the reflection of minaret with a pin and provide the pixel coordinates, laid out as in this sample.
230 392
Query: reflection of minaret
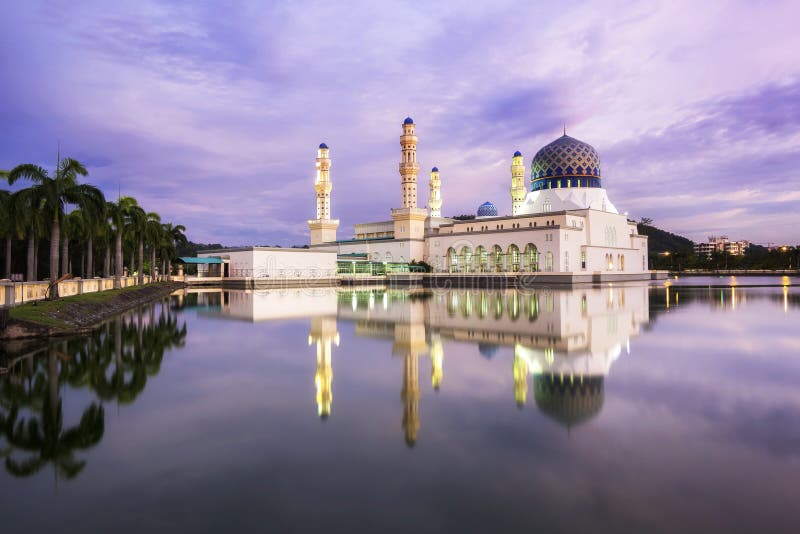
520 378
409 340
518 190
410 396
324 332
437 357
435 200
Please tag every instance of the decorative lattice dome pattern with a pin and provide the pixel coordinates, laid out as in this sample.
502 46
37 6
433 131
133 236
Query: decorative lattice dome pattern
487 209
566 157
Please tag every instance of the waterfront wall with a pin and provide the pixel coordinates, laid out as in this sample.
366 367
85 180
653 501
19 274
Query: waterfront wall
14 293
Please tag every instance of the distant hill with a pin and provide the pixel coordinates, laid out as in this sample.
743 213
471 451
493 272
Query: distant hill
662 241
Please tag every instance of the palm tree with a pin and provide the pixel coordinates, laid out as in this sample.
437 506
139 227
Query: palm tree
30 223
153 236
74 227
118 216
137 226
173 236
56 193
94 218
11 224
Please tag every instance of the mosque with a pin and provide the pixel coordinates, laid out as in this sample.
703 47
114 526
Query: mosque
562 223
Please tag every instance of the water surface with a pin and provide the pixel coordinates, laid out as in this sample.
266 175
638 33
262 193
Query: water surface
623 408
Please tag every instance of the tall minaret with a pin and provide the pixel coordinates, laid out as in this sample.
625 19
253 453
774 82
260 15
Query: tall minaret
409 220
408 164
323 228
517 183
324 333
435 200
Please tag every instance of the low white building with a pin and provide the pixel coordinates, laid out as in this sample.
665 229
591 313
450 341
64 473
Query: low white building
268 262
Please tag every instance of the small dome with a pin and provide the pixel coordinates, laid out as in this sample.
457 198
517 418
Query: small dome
408 120
487 209
323 145
435 169
517 154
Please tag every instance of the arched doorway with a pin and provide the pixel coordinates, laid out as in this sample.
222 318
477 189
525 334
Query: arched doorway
452 260
530 258
482 259
466 258
513 258
496 259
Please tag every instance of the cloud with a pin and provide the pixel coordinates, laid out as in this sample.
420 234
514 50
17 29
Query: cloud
201 108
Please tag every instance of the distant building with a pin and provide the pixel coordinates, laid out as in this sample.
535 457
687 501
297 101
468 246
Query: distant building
721 244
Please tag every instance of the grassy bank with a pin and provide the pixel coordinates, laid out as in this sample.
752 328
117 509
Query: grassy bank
82 311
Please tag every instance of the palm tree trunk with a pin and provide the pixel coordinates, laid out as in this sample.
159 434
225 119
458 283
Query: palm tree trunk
83 263
65 255
153 264
30 275
118 260
90 257
8 256
54 241
141 262
107 261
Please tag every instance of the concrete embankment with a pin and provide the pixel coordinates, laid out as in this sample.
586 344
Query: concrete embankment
78 314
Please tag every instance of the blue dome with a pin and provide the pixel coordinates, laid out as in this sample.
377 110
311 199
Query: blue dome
408 120
517 154
435 169
487 209
323 145
566 162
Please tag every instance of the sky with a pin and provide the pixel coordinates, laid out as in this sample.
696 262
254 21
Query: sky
210 113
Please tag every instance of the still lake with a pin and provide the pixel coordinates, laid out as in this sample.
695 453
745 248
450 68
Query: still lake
624 408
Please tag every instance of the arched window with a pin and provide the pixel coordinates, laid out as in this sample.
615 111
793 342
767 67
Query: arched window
466 257
530 258
452 260
548 262
514 258
566 261
482 259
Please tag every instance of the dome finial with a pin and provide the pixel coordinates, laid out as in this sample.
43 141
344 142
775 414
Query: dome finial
565 128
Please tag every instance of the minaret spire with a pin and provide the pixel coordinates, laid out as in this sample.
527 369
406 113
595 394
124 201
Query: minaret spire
323 228
435 200
408 164
517 183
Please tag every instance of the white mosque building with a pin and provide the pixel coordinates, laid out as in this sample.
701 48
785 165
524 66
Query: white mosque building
562 223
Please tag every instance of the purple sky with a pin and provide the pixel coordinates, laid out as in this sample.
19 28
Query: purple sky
211 114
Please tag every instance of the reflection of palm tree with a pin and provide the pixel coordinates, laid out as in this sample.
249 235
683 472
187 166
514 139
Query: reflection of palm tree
45 437
30 406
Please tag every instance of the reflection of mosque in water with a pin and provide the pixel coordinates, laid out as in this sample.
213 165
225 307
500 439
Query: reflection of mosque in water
563 341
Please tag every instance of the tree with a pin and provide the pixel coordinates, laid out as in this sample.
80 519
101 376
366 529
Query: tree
137 226
11 224
172 237
55 193
118 215
153 235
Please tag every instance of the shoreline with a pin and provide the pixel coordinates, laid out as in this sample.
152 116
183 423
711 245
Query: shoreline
78 314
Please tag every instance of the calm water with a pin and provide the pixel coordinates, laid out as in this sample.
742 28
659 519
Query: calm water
620 409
